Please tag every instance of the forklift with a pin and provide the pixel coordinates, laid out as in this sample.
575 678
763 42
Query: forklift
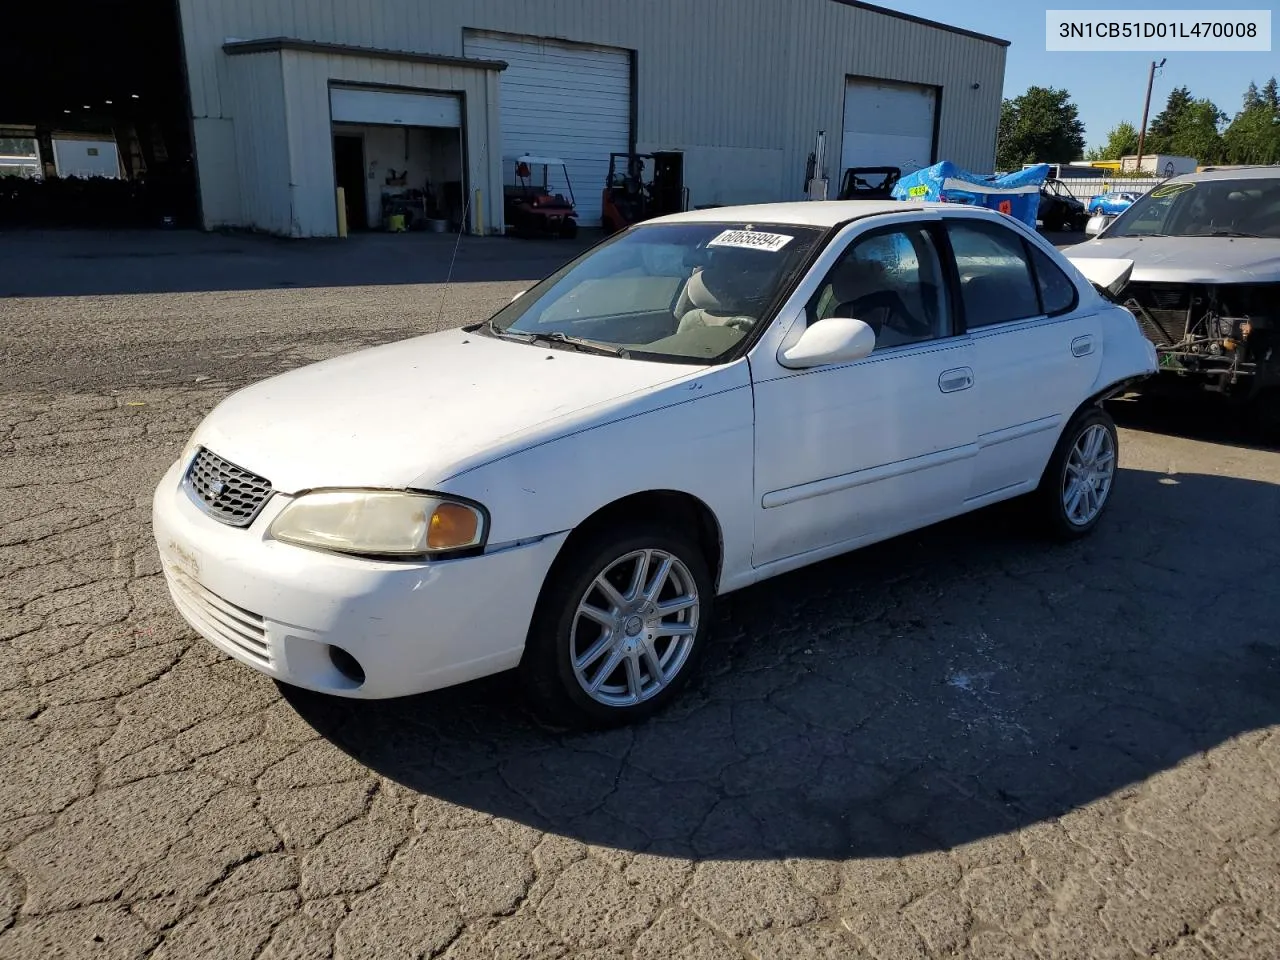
630 195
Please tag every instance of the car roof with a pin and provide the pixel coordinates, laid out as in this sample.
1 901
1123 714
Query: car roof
813 213
1230 173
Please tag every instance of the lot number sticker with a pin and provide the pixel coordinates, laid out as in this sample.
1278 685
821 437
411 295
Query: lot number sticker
751 240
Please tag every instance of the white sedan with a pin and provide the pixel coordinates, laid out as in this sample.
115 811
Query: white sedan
699 403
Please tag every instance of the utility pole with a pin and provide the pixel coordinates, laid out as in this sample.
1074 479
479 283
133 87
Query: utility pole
1146 107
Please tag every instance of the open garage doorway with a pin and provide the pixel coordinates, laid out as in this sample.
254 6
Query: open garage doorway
348 172
398 157
97 112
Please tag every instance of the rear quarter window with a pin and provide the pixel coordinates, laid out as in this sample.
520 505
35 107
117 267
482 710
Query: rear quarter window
1057 292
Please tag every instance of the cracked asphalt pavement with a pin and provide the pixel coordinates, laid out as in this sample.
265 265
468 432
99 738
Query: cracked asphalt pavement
964 742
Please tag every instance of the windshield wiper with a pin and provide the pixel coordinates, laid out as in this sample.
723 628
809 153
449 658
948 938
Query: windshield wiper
508 335
1233 233
586 346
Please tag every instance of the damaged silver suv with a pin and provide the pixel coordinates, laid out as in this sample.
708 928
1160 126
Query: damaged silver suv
1205 285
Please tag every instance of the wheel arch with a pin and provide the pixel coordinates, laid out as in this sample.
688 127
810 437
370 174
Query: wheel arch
688 511
1099 397
1096 399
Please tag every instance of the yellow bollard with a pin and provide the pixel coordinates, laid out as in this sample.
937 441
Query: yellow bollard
479 215
342 212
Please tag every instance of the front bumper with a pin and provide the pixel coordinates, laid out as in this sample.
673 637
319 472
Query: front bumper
278 608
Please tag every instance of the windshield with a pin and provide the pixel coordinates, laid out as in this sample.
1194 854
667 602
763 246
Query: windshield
686 292
1205 208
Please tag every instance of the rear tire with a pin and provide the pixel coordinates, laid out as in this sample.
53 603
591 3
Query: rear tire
636 648
1078 482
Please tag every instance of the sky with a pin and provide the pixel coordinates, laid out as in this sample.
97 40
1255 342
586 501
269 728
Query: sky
1107 87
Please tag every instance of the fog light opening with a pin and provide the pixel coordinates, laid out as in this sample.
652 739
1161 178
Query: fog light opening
347 665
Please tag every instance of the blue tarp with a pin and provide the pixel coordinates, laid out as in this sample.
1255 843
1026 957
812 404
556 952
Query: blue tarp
1017 194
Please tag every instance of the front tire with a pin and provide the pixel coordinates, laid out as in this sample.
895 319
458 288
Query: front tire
1079 479
620 625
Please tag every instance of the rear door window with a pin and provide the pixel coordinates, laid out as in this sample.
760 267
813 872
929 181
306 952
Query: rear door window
997 284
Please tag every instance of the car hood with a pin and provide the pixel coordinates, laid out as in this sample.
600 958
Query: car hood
420 410
1188 259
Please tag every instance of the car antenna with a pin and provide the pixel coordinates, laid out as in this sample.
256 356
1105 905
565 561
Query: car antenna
466 206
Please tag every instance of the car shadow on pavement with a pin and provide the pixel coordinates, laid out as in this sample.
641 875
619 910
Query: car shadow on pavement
937 689
1196 415
66 263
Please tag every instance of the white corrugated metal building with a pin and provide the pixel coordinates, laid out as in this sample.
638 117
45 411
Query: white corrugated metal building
291 98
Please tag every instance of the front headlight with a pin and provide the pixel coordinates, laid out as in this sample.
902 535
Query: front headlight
378 523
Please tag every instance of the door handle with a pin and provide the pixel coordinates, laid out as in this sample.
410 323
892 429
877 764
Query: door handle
1082 346
956 379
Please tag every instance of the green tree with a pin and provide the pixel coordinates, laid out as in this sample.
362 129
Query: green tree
1187 127
1254 134
1160 131
1042 125
1122 141
1271 96
1199 133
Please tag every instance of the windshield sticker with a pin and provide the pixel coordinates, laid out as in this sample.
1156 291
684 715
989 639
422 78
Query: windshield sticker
751 240
1172 189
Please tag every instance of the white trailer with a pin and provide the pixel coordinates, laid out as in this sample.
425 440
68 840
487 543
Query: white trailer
1159 164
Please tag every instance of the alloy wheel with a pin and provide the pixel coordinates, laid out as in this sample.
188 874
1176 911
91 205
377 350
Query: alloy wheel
634 627
1089 472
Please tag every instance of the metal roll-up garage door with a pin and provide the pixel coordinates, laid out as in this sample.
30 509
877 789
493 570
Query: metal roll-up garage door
394 107
563 100
887 124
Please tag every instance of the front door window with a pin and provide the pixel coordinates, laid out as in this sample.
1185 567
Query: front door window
892 280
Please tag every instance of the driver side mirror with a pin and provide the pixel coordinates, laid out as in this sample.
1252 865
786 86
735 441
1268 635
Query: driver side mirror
833 340
1095 225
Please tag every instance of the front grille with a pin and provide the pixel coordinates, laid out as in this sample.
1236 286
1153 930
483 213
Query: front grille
218 619
227 493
